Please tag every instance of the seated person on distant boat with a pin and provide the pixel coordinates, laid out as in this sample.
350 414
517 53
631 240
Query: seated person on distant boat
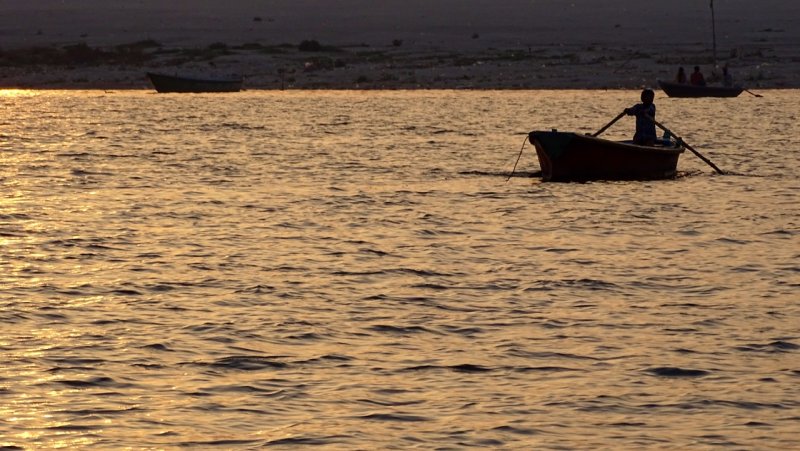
727 79
681 77
645 113
697 78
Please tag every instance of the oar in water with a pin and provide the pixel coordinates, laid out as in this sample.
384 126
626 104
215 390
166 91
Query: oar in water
610 123
752 93
685 144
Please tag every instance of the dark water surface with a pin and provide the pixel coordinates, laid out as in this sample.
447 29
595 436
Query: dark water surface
352 270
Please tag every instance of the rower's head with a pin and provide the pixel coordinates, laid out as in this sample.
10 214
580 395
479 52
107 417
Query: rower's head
648 96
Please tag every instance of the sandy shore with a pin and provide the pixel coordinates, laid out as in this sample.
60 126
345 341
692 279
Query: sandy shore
393 44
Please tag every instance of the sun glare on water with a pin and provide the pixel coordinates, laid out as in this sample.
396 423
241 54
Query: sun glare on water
14 92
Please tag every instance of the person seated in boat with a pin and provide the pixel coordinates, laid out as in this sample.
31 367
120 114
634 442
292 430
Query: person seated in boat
697 78
645 113
727 78
681 77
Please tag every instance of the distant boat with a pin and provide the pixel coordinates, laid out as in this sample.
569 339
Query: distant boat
673 89
174 83
567 157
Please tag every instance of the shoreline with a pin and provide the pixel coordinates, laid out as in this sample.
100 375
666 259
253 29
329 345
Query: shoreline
364 67
408 44
397 89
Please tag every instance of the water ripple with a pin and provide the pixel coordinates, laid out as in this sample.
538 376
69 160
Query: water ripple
356 270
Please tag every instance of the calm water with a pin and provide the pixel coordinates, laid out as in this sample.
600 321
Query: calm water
353 270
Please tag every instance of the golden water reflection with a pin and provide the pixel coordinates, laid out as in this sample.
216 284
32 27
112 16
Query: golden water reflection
18 92
353 270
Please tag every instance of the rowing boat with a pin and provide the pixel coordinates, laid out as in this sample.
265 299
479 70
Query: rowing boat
672 89
568 156
174 83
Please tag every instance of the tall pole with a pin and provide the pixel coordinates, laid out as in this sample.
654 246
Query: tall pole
713 34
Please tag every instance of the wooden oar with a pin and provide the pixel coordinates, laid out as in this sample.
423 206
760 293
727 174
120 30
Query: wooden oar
610 123
680 140
752 93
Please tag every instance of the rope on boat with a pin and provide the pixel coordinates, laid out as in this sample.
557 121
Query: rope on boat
520 156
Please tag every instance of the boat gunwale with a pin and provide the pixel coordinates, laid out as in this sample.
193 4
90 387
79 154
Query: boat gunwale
626 144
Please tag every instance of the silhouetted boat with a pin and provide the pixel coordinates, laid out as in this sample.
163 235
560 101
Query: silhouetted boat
173 83
673 89
567 156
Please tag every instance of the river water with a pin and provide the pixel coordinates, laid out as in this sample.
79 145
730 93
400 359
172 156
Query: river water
354 270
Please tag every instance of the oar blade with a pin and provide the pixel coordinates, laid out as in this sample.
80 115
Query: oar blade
692 149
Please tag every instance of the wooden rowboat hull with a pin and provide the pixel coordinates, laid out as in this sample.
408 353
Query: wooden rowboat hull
172 83
686 91
567 156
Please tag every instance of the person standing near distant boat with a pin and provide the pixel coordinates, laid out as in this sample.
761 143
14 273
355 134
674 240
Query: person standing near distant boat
645 113
697 78
681 77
